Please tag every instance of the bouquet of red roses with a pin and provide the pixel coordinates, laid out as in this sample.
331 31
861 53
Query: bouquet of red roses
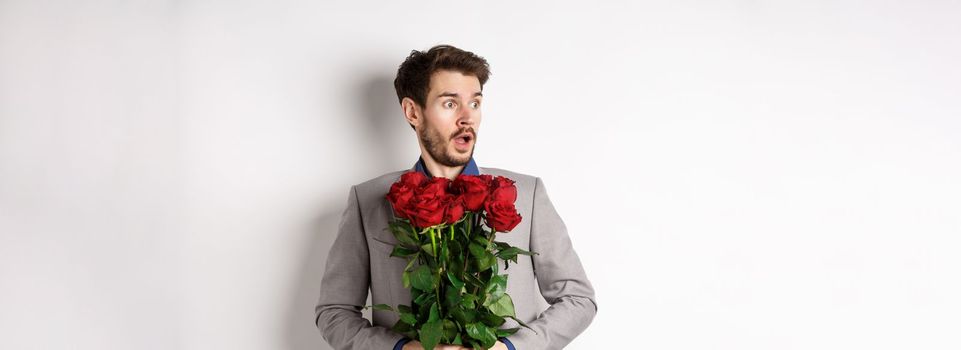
452 270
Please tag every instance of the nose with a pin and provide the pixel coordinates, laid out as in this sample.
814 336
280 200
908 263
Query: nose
467 118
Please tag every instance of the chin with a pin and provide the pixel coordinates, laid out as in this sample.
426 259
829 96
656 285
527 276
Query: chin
460 158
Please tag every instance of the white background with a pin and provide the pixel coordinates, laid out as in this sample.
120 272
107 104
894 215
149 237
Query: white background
734 174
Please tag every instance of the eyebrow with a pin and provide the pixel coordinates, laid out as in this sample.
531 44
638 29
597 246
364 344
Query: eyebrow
454 94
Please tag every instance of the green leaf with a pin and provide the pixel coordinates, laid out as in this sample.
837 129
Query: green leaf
506 332
402 252
452 297
463 316
485 261
430 334
383 307
405 329
405 277
468 301
511 253
421 298
450 331
443 251
492 320
406 314
427 248
458 314
522 323
454 281
482 240
474 281
503 306
476 249
434 313
423 278
423 310
464 228
483 334
408 318
495 288
403 233
455 247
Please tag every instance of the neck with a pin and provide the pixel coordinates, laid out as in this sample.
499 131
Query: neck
439 170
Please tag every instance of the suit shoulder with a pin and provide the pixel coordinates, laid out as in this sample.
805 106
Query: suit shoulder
507 173
378 185
522 179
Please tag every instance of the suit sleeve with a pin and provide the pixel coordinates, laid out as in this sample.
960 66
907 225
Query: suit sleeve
344 287
561 279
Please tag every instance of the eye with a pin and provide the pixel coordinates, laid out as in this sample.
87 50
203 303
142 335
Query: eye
449 104
475 104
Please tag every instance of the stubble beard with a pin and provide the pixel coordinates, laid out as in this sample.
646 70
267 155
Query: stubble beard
436 145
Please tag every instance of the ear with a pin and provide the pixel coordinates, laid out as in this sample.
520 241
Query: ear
412 112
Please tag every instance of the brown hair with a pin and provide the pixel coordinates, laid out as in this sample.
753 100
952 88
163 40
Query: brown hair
413 76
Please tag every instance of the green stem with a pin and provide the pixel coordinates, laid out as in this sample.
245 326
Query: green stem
433 243
470 224
441 264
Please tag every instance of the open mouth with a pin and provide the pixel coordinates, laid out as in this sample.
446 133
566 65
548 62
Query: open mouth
463 139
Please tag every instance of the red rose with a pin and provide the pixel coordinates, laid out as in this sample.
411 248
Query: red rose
474 189
455 209
435 187
502 216
503 190
402 191
399 196
487 179
425 211
413 178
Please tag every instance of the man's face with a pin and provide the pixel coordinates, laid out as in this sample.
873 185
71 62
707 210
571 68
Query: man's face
451 112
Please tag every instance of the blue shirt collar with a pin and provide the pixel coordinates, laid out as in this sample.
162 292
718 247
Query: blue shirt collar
469 169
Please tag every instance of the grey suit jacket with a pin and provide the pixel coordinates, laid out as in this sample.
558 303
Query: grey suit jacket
359 260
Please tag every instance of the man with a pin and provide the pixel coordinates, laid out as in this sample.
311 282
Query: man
440 92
